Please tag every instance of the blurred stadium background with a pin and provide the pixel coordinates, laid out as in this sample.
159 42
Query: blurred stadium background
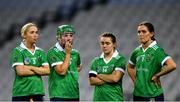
90 18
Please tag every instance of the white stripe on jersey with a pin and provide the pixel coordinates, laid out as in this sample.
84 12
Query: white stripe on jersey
56 63
120 69
131 62
93 72
162 63
44 64
18 63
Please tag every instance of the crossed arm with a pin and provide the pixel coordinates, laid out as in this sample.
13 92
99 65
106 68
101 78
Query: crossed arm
100 79
23 70
62 69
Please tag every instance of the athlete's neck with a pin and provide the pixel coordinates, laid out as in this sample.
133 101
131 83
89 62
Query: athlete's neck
30 46
107 56
62 45
146 44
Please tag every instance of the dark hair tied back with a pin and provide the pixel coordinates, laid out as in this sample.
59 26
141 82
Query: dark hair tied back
149 26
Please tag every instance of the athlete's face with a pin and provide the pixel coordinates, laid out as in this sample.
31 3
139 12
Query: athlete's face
106 44
143 34
68 37
31 35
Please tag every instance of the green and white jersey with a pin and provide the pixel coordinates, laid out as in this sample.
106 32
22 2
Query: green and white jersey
147 63
63 86
108 91
28 85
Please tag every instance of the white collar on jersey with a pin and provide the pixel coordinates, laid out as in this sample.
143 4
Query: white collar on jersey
24 46
114 55
59 47
151 45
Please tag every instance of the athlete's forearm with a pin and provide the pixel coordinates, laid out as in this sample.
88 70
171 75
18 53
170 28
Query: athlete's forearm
165 70
63 68
131 72
44 70
168 67
79 68
23 70
111 78
106 78
96 81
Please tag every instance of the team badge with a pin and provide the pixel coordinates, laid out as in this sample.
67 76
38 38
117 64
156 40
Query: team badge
26 60
39 59
148 58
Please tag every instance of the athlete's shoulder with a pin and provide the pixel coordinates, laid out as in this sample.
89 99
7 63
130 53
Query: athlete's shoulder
119 56
138 48
40 49
156 47
95 59
53 49
75 50
18 48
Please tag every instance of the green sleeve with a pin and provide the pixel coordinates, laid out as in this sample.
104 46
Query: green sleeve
162 56
93 66
132 59
44 58
16 58
79 60
121 64
54 58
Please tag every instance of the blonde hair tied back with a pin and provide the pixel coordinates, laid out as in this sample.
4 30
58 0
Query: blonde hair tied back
26 27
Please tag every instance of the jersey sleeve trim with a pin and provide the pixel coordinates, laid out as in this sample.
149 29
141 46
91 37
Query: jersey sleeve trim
93 72
162 63
18 63
53 64
120 69
44 64
131 62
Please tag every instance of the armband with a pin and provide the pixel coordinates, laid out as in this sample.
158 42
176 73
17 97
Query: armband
92 75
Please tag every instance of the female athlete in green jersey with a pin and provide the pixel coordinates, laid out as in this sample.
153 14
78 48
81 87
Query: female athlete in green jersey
29 63
147 64
65 64
107 71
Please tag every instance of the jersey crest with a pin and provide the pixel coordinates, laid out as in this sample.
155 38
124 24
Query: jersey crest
26 60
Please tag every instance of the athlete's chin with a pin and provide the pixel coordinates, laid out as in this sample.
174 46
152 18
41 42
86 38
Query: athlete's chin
142 41
34 42
105 51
